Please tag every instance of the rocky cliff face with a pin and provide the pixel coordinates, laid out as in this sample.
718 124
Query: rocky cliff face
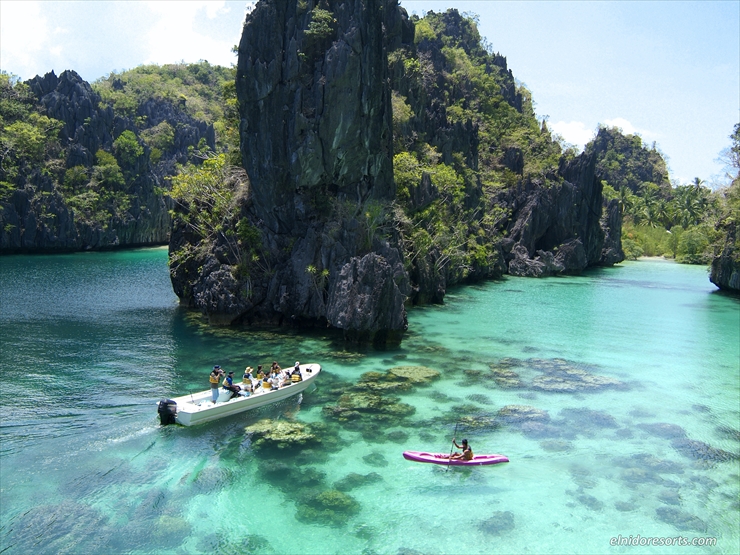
37 218
326 246
558 227
725 270
316 143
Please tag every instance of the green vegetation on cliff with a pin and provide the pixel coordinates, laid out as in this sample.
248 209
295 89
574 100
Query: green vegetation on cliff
660 219
28 138
464 131
86 166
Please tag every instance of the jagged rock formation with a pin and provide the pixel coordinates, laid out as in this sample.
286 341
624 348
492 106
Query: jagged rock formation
37 218
558 227
316 143
725 270
315 91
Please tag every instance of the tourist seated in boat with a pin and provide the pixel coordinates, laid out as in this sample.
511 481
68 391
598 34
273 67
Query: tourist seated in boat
247 378
229 383
260 374
295 376
275 367
266 383
467 452
247 389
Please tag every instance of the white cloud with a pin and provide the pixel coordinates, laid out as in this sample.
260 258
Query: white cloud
23 34
173 35
629 129
574 132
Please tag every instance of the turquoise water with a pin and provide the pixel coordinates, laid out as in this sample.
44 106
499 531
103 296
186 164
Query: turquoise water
625 385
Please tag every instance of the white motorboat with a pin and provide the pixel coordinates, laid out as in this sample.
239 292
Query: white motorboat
199 407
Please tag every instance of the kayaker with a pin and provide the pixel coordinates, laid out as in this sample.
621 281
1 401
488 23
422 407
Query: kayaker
215 379
467 452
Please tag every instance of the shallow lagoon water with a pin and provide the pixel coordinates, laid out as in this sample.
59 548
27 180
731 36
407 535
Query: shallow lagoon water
632 376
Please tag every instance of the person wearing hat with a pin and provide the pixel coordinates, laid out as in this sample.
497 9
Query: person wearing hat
247 378
215 379
229 383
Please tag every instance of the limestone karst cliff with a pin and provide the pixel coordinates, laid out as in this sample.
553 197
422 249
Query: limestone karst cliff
93 183
388 157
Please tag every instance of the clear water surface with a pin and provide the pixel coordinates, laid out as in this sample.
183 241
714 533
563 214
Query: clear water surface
616 396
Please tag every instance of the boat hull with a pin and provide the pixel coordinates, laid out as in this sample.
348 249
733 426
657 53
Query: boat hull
443 459
198 407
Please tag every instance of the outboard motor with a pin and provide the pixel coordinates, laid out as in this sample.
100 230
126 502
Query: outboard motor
167 411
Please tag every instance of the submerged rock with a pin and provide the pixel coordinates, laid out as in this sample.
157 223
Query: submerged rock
624 506
281 434
329 507
572 380
360 405
375 459
398 436
505 377
698 450
479 398
591 502
649 462
516 414
499 523
415 374
681 519
354 480
664 430
556 446
587 418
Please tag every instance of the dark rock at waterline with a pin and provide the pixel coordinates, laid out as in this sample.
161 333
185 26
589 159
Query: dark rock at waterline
698 450
664 430
725 270
499 523
681 520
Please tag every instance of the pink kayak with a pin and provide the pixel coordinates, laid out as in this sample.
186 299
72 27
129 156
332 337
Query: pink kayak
443 458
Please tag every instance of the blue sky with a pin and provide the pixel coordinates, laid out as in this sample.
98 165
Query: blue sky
669 71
